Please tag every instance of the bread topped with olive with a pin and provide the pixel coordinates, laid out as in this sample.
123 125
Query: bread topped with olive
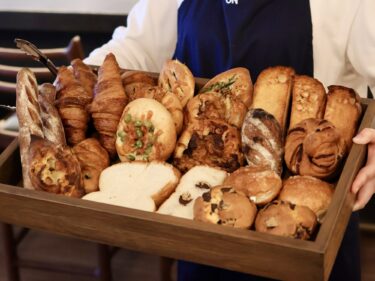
146 132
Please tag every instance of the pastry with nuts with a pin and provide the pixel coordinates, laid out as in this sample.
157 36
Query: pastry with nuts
224 206
259 185
286 219
193 184
308 99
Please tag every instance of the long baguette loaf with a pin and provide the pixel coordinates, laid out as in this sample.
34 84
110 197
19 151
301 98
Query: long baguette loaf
29 118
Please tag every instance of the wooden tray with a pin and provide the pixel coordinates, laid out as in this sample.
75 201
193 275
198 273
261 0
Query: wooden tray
240 250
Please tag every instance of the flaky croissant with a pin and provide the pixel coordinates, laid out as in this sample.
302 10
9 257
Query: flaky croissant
71 102
85 75
93 159
108 103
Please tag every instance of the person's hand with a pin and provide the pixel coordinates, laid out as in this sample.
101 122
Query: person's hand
364 183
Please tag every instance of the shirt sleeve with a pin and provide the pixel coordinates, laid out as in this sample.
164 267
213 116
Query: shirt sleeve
148 40
361 44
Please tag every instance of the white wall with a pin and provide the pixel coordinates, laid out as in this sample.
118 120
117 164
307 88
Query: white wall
112 7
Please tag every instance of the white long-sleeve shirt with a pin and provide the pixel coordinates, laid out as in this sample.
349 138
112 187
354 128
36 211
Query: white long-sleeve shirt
343 40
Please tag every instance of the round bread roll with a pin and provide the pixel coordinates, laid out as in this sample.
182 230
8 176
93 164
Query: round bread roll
212 105
235 82
176 77
209 142
262 142
55 169
286 219
260 186
308 191
314 148
145 132
223 205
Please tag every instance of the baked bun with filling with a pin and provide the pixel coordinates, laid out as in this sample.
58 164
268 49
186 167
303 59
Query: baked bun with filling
193 184
209 142
212 105
176 77
308 191
259 185
235 82
286 219
145 132
224 206
138 185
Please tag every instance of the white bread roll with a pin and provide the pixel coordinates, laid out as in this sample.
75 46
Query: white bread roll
137 185
192 185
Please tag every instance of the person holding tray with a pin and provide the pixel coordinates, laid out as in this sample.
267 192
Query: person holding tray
333 41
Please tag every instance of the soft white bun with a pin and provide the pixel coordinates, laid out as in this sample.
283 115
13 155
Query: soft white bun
138 185
192 185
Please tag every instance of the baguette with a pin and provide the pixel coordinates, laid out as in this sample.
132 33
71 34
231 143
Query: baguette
272 92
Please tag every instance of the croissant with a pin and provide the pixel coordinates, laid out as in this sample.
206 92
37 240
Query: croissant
93 159
108 103
71 103
314 147
84 75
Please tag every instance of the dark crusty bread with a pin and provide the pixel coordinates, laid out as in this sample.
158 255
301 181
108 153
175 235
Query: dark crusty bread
272 92
315 148
286 219
308 99
223 205
262 142
259 185
308 191
343 110
29 118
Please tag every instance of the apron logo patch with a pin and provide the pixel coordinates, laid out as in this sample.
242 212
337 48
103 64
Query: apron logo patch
231 2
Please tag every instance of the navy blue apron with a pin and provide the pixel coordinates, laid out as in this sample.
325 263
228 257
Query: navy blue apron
216 35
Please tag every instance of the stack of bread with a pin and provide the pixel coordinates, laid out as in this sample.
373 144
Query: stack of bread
222 156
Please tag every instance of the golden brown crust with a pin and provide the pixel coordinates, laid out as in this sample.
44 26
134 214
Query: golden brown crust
93 159
213 105
262 142
176 77
71 102
308 191
110 100
235 82
223 205
286 219
272 92
308 99
164 193
343 110
145 132
54 168
260 186
85 75
209 142
135 76
29 118
315 148
52 126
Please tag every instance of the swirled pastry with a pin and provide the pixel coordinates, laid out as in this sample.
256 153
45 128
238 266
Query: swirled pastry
209 142
314 147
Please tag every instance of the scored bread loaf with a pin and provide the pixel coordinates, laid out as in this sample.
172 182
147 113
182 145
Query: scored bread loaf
29 118
193 184
343 110
272 92
308 99
262 142
137 185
